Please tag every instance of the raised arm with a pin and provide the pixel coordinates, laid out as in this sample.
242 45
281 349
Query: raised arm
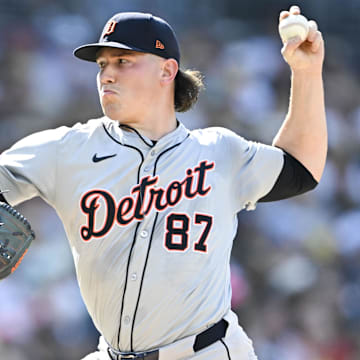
303 133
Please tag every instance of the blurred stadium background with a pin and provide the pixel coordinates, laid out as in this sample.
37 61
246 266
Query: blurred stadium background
295 264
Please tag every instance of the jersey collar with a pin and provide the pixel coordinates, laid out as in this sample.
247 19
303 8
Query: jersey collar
127 135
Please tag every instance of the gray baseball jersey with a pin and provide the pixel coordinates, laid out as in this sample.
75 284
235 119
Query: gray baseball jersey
150 226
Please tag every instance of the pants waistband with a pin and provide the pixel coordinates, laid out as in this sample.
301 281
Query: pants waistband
150 355
202 340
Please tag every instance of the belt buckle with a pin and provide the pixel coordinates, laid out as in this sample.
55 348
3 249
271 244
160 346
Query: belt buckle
130 356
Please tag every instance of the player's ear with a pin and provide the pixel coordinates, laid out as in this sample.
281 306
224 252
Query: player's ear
169 70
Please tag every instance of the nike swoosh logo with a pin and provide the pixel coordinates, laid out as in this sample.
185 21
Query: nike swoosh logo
97 158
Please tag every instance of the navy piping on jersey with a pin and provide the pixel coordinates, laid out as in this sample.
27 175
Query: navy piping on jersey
136 230
138 134
142 280
165 151
135 233
126 280
129 146
227 349
150 242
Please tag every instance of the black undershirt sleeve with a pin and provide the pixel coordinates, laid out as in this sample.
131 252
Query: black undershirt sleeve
294 179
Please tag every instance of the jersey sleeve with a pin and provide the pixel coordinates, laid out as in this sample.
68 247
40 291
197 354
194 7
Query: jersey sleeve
255 169
28 168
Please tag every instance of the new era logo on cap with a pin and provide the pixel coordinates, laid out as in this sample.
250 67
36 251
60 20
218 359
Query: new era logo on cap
159 45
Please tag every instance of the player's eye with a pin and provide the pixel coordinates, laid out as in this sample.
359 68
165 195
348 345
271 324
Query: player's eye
101 64
122 61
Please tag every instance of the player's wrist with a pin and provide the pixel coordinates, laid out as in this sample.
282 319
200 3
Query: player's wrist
307 72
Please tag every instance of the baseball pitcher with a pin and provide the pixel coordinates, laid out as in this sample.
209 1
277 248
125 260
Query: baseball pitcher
150 207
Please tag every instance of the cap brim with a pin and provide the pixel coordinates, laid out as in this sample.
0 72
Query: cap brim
88 52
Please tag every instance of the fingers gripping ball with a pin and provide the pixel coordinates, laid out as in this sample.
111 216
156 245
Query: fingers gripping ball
292 26
16 236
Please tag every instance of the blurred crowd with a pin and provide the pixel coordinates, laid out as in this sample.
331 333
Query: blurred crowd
295 263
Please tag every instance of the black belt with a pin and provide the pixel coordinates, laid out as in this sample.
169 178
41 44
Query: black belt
150 355
204 339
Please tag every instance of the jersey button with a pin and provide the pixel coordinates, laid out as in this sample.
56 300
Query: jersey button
127 320
144 234
133 276
153 153
146 168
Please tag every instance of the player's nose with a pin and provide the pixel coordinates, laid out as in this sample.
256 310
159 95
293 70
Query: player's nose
107 75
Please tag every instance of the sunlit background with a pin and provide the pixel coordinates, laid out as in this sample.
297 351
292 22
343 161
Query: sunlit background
295 264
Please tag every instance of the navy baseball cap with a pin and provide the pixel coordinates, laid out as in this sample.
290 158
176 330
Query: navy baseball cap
134 31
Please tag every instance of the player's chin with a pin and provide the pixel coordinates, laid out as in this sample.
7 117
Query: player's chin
112 111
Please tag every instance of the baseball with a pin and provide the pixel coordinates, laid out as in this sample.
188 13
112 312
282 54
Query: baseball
292 26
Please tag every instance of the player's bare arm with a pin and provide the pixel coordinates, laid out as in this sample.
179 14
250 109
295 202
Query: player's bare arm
303 133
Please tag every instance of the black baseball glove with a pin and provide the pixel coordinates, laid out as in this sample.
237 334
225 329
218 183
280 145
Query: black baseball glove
15 238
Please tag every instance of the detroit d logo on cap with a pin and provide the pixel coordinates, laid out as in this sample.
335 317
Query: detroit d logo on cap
110 28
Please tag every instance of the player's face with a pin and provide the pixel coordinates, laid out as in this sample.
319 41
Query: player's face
128 83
